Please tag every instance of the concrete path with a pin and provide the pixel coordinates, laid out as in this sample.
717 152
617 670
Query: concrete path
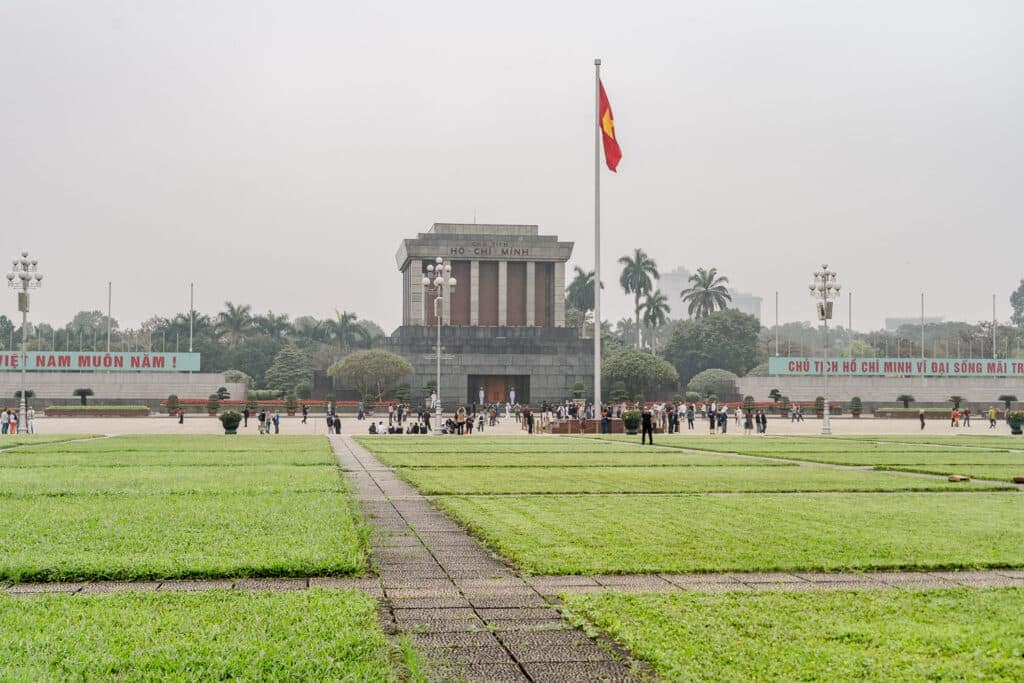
460 605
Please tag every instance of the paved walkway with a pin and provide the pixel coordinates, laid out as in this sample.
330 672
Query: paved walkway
460 605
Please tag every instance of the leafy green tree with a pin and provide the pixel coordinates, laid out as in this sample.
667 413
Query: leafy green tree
715 382
641 373
83 394
238 377
655 312
725 339
707 294
372 373
308 329
235 322
253 356
956 401
905 399
1007 399
859 348
1017 302
638 275
291 365
775 395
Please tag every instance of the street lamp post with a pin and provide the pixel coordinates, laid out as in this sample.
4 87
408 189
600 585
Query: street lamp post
24 277
825 291
439 281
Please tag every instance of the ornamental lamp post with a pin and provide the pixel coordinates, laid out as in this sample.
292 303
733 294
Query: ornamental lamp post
825 291
23 277
438 281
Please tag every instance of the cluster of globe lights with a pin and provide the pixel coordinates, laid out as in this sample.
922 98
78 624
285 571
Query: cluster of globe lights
824 282
436 275
24 270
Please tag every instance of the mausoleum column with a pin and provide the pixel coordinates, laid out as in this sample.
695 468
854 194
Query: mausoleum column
502 293
416 314
474 292
559 293
531 305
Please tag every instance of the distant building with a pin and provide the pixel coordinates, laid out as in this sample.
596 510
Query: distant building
894 324
675 281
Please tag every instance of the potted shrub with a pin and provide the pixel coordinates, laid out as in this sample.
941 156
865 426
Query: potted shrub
577 390
631 421
252 404
290 405
856 406
748 404
212 405
172 404
819 406
230 419
1015 419
223 394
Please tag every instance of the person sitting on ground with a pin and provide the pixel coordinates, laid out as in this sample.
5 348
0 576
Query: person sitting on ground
373 428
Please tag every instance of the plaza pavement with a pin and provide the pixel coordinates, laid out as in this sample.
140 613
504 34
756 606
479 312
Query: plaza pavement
202 424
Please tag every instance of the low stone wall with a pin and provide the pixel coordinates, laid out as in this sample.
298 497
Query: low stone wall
980 393
135 388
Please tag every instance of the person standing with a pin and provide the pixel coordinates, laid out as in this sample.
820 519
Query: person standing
991 417
920 416
723 419
245 416
689 416
277 423
305 413
14 422
646 426
3 421
181 416
967 417
337 424
31 420
748 422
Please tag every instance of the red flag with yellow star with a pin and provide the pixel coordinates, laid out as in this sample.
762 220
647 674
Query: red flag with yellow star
606 121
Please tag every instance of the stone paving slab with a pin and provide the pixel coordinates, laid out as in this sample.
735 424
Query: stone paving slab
104 587
188 585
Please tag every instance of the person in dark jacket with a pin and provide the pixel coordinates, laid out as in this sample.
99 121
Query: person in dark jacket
647 426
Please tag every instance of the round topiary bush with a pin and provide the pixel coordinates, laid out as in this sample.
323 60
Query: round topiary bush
721 383
631 421
230 419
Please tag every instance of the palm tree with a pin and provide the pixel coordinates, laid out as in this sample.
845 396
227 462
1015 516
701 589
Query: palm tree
273 325
580 292
707 294
637 278
308 328
345 330
234 321
656 310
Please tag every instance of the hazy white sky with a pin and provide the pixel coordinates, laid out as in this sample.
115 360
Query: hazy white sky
277 152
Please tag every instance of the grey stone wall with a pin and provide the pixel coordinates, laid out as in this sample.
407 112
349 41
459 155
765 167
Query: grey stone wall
553 358
981 391
121 387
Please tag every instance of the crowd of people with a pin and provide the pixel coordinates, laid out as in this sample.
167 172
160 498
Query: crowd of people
11 421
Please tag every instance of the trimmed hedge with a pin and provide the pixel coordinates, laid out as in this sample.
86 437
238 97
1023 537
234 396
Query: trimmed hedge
97 411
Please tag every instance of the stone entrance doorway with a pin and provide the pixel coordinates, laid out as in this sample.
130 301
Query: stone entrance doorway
498 388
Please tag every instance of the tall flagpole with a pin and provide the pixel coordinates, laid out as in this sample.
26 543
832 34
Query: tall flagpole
597 237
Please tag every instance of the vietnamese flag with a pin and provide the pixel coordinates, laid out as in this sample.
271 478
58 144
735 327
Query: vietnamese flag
606 121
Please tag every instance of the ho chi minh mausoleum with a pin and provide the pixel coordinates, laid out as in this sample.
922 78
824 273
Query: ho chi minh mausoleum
505 320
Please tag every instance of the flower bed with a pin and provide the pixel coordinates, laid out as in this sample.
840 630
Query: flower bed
97 411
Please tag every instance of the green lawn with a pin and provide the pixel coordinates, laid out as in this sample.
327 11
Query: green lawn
646 458
142 513
174 443
1004 473
74 480
685 533
884 458
776 445
977 436
314 635
509 480
491 444
175 536
37 439
881 635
